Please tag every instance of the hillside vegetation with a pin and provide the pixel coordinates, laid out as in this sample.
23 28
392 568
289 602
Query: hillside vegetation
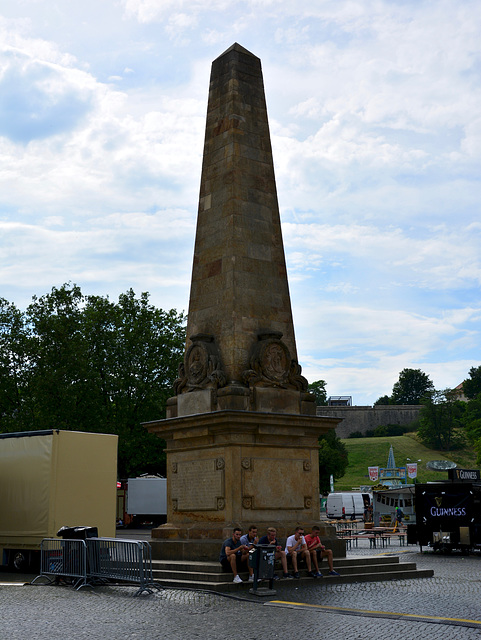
373 452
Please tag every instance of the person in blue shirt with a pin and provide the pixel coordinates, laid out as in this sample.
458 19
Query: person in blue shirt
233 554
249 539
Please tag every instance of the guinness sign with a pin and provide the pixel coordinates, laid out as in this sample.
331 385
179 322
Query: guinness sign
464 475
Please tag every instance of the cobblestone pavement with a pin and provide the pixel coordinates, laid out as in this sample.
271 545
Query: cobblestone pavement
315 610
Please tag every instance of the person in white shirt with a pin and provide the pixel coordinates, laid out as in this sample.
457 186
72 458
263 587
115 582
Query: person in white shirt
296 548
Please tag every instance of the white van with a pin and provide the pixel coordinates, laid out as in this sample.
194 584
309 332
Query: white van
345 505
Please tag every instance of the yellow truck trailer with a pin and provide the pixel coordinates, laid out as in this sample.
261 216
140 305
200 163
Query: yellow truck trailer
53 478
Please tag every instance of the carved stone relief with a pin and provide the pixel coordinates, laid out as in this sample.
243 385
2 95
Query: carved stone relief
202 367
271 364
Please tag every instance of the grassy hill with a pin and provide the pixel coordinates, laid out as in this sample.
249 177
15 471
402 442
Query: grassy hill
373 452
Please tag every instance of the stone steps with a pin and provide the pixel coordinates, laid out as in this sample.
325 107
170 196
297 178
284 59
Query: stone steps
209 575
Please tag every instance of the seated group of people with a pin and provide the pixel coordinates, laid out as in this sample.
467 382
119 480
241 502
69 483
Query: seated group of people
235 552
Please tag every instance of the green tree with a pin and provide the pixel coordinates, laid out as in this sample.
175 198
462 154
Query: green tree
472 385
383 400
88 364
15 370
440 421
60 378
318 388
472 424
333 459
472 419
411 387
386 430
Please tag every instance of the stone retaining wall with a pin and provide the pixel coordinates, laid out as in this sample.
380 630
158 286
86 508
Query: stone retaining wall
365 418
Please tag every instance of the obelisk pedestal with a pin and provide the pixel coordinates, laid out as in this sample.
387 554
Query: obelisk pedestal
241 432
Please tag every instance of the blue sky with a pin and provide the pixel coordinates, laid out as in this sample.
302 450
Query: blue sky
375 117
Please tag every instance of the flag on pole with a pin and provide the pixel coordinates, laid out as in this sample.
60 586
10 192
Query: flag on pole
373 473
412 469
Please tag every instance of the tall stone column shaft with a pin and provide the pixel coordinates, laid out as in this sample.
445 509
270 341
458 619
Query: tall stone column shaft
239 279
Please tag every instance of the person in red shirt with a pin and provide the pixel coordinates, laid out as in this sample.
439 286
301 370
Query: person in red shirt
315 548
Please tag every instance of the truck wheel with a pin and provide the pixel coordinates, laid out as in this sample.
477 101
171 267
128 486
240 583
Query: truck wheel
19 560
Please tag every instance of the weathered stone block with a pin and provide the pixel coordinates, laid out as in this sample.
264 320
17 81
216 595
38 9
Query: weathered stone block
194 402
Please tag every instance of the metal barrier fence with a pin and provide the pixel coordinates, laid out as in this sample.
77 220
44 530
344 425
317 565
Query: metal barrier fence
61 559
123 560
97 561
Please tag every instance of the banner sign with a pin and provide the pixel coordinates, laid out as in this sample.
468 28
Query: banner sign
373 473
464 475
412 470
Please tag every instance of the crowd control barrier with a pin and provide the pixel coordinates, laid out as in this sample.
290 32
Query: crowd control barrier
63 561
121 560
97 561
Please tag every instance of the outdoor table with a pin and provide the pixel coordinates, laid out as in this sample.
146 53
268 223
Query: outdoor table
377 533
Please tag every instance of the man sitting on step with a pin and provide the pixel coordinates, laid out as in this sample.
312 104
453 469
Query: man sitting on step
271 539
296 549
316 548
249 539
234 554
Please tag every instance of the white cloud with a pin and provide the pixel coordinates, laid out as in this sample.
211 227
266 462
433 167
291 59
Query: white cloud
434 260
360 351
103 255
374 114
109 153
40 99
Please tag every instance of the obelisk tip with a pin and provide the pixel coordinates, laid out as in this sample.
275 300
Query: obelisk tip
238 48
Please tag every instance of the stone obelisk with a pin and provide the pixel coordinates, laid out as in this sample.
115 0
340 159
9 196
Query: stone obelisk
241 431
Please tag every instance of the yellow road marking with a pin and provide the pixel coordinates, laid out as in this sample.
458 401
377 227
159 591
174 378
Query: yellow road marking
374 612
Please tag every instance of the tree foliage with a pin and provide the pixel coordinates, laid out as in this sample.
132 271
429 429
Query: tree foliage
472 385
383 431
333 459
472 419
88 364
318 388
412 386
440 421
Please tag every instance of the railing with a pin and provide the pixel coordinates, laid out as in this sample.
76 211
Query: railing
62 561
121 560
97 561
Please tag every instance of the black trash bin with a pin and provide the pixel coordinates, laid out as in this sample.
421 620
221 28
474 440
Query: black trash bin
261 559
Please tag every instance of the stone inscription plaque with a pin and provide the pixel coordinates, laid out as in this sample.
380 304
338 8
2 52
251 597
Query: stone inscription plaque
276 484
197 485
